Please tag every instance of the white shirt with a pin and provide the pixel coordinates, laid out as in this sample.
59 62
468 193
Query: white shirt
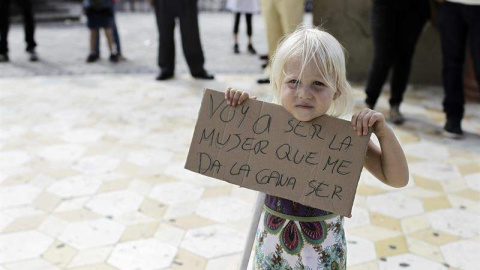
246 6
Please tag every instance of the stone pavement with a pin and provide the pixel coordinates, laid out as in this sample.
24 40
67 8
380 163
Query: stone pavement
92 171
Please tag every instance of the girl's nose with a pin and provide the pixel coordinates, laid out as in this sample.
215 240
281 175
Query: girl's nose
303 92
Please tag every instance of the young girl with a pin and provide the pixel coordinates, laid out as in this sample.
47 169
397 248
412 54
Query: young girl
309 80
100 15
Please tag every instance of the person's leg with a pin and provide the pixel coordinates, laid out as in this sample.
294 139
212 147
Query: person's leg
248 18
116 37
4 26
192 47
165 17
29 24
111 44
410 26
97 46
291 14
236 24
273 27
93 37
384 36
93 56
453 35
235 32
473 21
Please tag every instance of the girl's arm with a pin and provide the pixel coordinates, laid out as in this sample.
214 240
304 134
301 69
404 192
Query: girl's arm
387 162
252 231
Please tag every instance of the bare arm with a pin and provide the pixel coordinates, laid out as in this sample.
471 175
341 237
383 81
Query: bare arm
252 231
387 162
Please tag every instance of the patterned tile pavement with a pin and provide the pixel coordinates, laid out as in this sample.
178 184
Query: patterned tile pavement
92 178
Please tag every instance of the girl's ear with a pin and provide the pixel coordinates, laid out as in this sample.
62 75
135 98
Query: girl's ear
336 95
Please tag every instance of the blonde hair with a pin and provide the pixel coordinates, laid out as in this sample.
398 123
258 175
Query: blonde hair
314 44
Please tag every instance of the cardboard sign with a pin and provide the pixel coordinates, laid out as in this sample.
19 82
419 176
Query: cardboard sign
260 146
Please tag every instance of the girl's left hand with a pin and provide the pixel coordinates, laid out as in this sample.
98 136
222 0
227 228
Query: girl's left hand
367 118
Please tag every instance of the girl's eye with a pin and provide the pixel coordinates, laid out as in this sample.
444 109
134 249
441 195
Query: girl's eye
318 83
295 82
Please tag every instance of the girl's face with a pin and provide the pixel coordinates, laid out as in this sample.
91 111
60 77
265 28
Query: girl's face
308 97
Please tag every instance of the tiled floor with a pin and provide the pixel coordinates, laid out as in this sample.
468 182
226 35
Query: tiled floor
92 178
92 171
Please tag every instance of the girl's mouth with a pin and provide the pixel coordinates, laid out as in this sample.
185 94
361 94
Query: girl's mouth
304 106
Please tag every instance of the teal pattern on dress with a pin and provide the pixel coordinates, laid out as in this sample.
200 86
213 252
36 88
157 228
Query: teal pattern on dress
285 244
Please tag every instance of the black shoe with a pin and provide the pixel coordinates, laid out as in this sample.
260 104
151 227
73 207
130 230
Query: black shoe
203 75
113 58
263 81
92 57
396 116
4 57
235 49
453 129
164 75
264 65
251 50
33 56
264 57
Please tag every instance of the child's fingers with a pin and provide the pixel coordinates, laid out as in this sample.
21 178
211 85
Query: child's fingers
231 96
254 97
366 120
227 95
374 119
236 97
243 97
360 122
354 120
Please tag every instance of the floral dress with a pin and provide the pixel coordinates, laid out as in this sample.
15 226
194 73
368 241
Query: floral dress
292 236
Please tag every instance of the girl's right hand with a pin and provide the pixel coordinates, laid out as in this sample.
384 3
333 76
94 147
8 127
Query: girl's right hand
236 97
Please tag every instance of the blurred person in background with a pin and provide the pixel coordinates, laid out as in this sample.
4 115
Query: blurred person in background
281 18
396 27
247 7
458 23
116 37
100 15
28 23
166 11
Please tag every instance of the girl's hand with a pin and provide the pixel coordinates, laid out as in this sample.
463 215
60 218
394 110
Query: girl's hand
367 118
236 97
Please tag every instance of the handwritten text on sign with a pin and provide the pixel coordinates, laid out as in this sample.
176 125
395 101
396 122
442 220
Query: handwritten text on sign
261 146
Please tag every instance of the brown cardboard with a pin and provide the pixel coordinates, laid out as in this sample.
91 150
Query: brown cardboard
260 146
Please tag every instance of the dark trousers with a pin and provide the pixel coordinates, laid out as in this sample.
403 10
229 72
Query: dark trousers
248 18
396 27
28 22
166 11
457 23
